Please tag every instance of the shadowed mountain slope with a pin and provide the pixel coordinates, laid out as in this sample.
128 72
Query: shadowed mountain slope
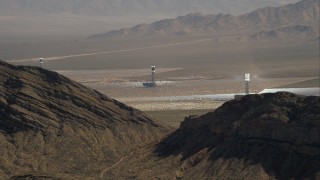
302 13
295 32
52 126
268 136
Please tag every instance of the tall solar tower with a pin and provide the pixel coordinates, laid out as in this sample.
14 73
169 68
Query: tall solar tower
40 62
247 80
151 83
153 72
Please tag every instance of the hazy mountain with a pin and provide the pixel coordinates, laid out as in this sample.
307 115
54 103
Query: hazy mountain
51 18
303 13
291 32
132 7
53 126
268 136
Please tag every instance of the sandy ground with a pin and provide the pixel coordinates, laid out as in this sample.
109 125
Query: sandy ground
175 105
186 66
190 93
109 76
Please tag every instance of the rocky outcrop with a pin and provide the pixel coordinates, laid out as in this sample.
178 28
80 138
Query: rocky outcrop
279 132
53 126
267 136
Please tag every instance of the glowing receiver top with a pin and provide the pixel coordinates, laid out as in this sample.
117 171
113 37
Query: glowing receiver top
247 77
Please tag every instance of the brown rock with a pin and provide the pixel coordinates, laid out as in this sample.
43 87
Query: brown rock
52 126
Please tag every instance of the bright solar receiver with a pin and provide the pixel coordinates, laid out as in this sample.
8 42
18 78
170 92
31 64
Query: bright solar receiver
153 71
40 62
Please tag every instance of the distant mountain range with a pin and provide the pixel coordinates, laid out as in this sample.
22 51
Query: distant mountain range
132 7
301 17
292 32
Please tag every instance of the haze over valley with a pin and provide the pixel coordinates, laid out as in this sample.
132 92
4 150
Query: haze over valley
79 99
194 52
31 19
196 45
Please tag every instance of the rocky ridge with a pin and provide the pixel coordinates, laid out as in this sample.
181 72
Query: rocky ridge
302 13
52 126
291 32
268 136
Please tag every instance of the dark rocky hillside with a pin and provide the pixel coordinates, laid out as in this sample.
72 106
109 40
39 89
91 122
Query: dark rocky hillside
268 136
51 126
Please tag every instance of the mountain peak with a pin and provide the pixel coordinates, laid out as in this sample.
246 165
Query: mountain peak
42 98
62 123
303 13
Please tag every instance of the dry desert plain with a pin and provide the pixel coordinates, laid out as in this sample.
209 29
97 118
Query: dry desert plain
188 69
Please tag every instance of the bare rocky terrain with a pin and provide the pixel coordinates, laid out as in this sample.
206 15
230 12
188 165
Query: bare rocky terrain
291 32
51 126
292 21
35 20
268 136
